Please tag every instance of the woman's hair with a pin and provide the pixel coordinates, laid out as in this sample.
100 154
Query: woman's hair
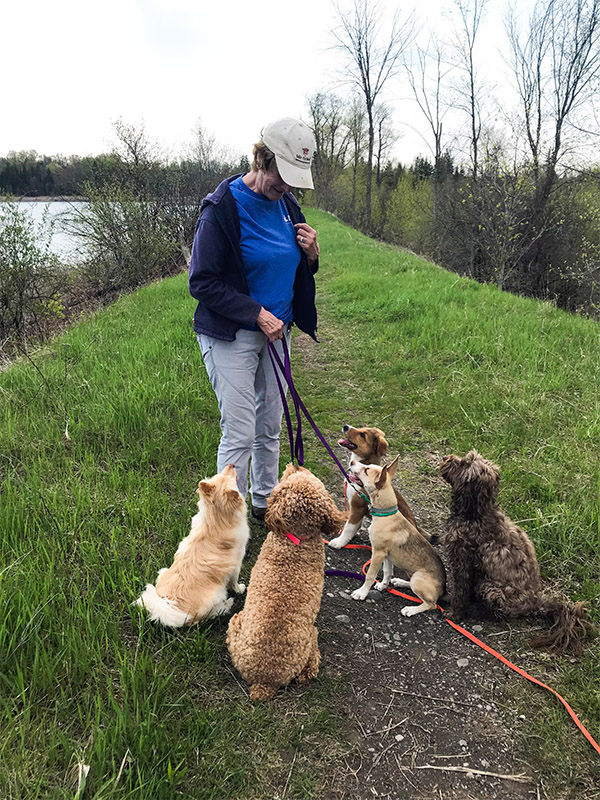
263 158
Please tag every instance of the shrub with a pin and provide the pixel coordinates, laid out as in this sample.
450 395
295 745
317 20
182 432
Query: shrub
127 241
30 275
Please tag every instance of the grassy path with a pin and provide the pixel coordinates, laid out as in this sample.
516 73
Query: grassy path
103 438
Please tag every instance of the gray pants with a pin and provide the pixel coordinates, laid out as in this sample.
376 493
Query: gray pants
241 375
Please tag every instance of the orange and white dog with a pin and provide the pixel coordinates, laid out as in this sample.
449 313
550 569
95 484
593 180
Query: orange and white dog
207 561
368 446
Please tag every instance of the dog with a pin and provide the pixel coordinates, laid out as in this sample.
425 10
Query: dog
396 541
490 559
369 446
207 562
273 640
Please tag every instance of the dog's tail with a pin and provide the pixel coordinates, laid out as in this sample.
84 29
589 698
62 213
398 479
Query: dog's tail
432 538
569 625
161 609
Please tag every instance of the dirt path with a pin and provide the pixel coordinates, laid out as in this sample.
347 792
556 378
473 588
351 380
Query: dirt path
425 706
430 714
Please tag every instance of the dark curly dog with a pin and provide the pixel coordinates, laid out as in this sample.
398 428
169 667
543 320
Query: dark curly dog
490 559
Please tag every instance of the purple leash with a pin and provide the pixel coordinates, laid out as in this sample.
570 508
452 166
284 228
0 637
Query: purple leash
286 370
297 448
286 410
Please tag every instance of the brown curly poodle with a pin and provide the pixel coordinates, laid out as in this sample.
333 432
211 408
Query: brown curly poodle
274 638
490 559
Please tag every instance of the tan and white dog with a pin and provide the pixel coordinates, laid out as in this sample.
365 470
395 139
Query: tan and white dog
207 562
369 446
396 541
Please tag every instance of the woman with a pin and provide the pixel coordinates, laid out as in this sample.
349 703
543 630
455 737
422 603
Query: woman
252 267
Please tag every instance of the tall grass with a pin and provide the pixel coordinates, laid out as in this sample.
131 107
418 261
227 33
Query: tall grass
103 437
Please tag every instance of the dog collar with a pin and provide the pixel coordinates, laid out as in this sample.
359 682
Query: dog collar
384 512
293 538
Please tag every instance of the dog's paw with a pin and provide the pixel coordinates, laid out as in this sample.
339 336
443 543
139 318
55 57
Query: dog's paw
225 607
409 611
359 594
453 615
239 588
400 583
381 586
336 543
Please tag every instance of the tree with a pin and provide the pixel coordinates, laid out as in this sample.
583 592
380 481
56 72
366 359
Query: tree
327 112
427 77
356 129
470 14
385 137
371 60
557 70
556 64
31 276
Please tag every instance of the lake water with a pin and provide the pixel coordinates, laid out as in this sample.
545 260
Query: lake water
62 243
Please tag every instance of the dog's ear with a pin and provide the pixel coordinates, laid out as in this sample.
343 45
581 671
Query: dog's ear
323 519
290 469
381 480
447 467
391 468
206 489
387 472
232 499
381 444
334 520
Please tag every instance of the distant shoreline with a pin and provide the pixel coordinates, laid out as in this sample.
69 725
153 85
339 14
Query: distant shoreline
47 199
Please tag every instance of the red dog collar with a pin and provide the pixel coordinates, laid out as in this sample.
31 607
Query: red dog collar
294 539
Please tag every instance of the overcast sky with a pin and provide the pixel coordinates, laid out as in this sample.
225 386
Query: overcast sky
71 68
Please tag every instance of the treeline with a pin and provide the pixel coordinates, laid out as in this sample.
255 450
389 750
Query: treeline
26 173
489 227
523 207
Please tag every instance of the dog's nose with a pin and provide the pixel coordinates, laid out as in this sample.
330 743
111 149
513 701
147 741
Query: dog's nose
346 428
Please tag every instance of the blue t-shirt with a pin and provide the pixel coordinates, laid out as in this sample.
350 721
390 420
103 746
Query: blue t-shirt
270 253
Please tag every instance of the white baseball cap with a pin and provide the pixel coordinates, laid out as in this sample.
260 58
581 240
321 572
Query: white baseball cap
293 145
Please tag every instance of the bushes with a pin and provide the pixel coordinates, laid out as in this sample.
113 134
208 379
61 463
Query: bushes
126 241
410 214
31 277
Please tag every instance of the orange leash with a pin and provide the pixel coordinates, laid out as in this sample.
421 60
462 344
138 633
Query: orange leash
492 652
501 658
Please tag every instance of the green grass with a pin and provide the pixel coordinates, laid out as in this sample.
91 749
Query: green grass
103 437
444 364
86 520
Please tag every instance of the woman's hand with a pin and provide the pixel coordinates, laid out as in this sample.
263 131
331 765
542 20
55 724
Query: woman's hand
270 325
307 240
